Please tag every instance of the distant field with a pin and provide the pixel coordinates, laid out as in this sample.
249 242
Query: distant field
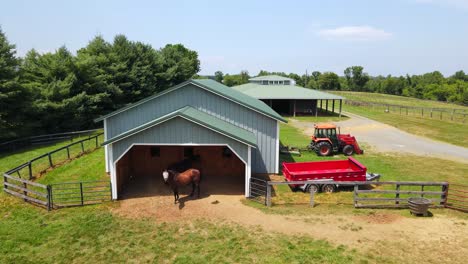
395 100
421 124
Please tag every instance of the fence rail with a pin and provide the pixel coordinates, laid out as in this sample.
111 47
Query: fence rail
27 190
56 195
43 139
50 160
453 114
380 198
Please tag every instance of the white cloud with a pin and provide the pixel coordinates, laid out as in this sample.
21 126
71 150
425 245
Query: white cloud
365 33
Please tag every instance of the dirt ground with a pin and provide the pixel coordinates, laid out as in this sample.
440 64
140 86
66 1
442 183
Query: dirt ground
387 138
379 233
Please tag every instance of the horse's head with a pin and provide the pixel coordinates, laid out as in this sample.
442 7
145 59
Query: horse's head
165 175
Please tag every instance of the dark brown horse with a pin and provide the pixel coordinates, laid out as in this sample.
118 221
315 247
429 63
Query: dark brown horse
176 179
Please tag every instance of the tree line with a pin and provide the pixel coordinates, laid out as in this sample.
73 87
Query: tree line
431 86
59 91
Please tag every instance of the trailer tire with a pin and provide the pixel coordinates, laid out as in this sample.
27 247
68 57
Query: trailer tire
324 148
348 150
313 187
328 188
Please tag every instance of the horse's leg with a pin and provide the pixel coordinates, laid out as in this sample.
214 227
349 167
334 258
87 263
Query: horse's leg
193 189
176 196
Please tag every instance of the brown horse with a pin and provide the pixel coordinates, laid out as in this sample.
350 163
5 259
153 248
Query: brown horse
176 179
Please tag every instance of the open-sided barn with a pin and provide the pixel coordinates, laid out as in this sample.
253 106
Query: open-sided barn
233 134
285 97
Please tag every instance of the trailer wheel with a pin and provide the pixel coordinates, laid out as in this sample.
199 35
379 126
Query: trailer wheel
348 150
324 148
312 187
328 188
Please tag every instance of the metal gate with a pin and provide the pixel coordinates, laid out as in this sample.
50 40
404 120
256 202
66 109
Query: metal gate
457 197
79 193
258 190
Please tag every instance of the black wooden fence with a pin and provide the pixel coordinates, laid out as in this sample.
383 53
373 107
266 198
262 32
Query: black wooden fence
449 114
20 143
48 160
56 195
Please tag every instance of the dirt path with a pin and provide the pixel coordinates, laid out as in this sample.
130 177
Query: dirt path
377 232
385 138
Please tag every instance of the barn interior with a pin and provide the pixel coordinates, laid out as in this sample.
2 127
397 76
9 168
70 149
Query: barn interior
139 171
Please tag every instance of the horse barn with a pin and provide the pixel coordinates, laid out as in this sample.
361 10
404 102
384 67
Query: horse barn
285 97
232 135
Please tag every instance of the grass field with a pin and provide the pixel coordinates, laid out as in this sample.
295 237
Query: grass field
396 100
445 130
33 235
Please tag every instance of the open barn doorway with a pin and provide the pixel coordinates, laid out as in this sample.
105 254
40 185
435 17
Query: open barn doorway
139 170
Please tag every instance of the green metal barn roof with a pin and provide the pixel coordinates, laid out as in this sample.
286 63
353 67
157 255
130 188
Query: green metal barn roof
214 87
200 118
271 78
283 92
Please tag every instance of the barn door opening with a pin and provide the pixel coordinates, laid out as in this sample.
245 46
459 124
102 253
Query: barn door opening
139 171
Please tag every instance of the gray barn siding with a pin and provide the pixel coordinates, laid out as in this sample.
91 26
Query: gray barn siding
263 157
178 131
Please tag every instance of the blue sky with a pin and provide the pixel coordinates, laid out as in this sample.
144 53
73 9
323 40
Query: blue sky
386 37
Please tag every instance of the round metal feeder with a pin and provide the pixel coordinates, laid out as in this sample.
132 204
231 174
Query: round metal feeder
419 206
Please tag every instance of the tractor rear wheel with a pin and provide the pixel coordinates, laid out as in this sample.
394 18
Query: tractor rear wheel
348 150
324 148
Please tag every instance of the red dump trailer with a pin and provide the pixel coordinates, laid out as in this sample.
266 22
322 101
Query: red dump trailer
325 171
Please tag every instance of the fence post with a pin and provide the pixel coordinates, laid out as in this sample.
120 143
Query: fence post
5 179
268 195
431 112
81 193
444 195
97 142
50 159
422 190
312 193
422 112
25 185
30 170
49 197
355 195
82 147
397 194
68 152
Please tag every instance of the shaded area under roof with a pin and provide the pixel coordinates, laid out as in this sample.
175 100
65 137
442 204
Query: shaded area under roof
198 117
284 92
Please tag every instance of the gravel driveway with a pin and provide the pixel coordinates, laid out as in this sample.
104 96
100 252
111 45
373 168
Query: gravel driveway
385 138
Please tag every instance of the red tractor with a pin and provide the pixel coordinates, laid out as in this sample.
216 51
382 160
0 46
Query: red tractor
326 141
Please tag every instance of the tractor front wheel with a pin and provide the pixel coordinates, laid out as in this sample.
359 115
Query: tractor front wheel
348 150
324 148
